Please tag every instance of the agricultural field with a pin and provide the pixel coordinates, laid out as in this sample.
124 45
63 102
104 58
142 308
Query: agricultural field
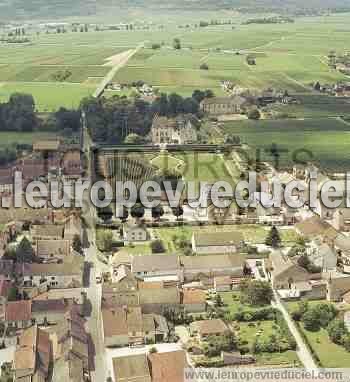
288 56
325 141
48 96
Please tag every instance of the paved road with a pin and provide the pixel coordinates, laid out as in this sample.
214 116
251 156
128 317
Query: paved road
124 58
94 294
302 351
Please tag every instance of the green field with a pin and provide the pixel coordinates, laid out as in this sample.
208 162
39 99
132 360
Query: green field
48 96
325 141
10 138
289 56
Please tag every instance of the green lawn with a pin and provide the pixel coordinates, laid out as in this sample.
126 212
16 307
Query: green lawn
330 354
249 331
324 141
9 138
48 96
253 234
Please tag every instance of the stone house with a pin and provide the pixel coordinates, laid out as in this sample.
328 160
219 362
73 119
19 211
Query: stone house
168 366
71 356
131 368
341 219
65 275
337 288
223 283
46 232
18 314
193 300
204 329
133 232
283 272
45 312
224 105
216 242
197 268
160 299
155 265
178 130
33 358
53 250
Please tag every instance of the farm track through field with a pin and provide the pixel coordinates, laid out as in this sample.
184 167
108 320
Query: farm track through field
117 66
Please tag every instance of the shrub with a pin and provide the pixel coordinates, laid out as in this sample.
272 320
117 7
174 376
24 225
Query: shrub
157 246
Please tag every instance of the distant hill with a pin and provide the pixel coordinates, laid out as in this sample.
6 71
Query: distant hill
64 8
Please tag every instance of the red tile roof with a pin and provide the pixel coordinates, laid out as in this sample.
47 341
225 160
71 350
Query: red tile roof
18 310
168 366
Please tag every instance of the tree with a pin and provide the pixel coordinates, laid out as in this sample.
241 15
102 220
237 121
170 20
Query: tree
337 331
177 43
137 211
204 66
77 244
12 294
218 301
25 252
273 239
177 211
255 292
155 46
157 246
311 320
134 139
157 212
104 240
216 344
254 114
317 86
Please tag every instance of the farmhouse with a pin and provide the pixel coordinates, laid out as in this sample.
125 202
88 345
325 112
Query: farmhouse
52 250
179 130
33 356
283 272
207 328
131 368
65 275
155 265
18 314
72 354
46 232
223 283
337 288
156 300
224 105
210 266
316 227
194 300
342 219
168 366
134 232
217 242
